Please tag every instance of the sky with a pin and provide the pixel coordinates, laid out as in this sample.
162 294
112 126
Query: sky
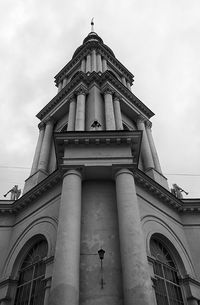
157 40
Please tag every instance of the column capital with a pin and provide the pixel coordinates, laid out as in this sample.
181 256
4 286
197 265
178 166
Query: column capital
148 124
141 119
81 91
49 121
108 90
72 98
75 171
41 125
117 96
123 171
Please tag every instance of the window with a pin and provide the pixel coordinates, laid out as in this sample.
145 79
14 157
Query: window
167 288
30 288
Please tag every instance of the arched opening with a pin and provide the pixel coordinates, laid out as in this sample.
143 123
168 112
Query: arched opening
167 287
31 285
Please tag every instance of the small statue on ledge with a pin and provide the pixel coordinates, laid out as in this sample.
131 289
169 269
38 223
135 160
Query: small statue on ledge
15 193
177 191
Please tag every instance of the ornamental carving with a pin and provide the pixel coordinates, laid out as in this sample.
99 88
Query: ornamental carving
81 90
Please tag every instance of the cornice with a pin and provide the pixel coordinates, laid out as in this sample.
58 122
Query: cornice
157 190
101 79
102 49
30 196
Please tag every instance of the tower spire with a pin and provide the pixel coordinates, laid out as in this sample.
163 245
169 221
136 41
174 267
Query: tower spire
92 25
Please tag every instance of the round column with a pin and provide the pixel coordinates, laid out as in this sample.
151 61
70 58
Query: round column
99 63
109 110
128 85
88 63
117 111
145 148
94 63
46 145
152 147
123 81
65 280
72 114
104 65
59 86
37 150
83 65
80 110
64 82
136 278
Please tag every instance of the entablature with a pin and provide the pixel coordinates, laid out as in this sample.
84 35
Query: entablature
101 49
101 79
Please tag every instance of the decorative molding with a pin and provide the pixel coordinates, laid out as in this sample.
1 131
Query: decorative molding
157 190
102 80
83 50
107 90
148 124
81 91
31 195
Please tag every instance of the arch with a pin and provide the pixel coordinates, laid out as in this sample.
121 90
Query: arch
167 285
47 228
31 285
154 225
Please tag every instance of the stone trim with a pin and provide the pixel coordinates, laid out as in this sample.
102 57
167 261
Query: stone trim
87 49
102 80
157 190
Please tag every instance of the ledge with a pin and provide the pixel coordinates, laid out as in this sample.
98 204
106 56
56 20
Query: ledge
30 196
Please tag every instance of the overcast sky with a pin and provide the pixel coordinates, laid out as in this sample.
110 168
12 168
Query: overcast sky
158 41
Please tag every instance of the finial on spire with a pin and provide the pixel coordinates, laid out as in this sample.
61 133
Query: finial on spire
92 25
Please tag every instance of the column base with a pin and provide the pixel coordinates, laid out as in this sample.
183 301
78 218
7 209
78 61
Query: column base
34 179
158 177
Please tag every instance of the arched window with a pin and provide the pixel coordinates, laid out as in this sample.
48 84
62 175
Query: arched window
30 288
167 288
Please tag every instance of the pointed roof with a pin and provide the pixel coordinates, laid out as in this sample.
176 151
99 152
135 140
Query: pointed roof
92 37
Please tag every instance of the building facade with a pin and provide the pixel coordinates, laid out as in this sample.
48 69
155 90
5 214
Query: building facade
97 223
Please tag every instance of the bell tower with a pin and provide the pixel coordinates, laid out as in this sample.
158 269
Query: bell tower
96 135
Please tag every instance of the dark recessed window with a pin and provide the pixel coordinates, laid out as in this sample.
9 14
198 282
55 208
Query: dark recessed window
30 288
167 288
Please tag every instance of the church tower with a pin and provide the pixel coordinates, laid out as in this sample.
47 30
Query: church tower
96 223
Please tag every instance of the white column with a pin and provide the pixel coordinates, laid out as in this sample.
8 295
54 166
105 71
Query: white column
64 82
72 114
109 110
65 280
99 63
46 145
83 65
123 81
135 272
117 111
80 110
60 86
88 63
128 85
145 148
94 62
104 65
37 150
152 147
